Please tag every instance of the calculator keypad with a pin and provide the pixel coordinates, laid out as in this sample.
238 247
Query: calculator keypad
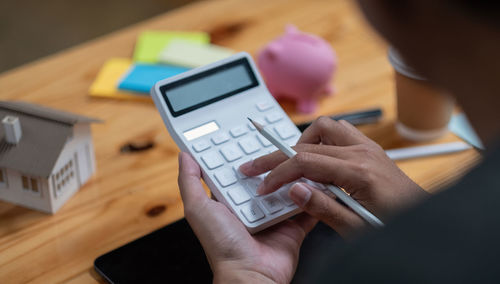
225 150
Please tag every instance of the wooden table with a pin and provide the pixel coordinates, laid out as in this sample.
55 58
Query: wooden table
134 194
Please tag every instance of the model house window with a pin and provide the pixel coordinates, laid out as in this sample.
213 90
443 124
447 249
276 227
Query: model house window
3 178
63 177
30 184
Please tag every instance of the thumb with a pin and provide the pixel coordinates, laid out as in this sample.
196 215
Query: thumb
324 208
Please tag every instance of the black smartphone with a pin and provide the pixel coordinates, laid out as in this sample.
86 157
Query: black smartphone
171 254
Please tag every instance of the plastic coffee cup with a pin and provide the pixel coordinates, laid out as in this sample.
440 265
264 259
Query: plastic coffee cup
423 111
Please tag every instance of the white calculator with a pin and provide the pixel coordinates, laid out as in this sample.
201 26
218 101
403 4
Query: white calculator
205 111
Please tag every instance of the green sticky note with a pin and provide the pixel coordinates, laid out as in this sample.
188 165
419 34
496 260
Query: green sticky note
150 43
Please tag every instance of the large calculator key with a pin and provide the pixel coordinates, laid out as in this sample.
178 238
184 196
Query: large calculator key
272 203
252 212
284 195
249 145
238 131
252 183
220 138
238 195
212 160
274 117
231 153
225 177
285 131
201 145
263 106
264 141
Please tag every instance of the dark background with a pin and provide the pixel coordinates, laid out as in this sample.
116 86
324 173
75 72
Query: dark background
30 29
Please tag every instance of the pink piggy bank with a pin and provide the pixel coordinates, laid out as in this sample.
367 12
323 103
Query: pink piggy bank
298 66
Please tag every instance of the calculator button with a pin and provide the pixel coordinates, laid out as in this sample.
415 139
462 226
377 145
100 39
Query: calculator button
284 131
201 145
236 168
263 106
272 203
231 153
264 141
252 212
225 177
251 126
274 117
252 183
220 138
284 195
212 160
249 145
238 131
238 195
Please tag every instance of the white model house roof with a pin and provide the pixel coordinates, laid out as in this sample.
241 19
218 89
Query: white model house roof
45 131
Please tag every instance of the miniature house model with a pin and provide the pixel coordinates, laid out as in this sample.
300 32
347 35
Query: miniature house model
46 155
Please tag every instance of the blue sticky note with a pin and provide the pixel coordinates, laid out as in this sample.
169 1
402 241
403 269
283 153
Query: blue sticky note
460 126
142 77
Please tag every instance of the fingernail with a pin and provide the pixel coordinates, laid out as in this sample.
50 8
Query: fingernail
244 168
300 194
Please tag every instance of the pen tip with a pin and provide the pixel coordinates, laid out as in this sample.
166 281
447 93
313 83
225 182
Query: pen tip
249 119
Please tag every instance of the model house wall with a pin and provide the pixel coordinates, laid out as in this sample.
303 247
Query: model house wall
12 190
46 155
73 168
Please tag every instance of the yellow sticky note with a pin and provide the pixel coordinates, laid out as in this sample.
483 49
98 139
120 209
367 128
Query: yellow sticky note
150 43
106 82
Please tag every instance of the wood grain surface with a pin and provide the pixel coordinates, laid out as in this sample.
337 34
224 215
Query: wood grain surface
133 194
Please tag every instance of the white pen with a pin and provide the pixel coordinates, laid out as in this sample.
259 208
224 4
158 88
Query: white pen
342 195
427 150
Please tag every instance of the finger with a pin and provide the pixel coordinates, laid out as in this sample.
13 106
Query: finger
328 131
268 162
306 222
263 164
316 167
192 191
322 207
354 130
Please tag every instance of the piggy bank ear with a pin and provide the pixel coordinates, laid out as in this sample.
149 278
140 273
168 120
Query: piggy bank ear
291 29
272 50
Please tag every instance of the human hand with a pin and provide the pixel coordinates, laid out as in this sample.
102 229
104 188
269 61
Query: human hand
337 153
235 255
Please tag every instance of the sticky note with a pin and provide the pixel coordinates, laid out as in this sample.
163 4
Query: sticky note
150 43
142 77
185 53
460 126
106 83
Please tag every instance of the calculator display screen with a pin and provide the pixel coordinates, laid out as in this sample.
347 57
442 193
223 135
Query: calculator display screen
207 87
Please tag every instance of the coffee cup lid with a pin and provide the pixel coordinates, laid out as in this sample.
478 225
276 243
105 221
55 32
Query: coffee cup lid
400 65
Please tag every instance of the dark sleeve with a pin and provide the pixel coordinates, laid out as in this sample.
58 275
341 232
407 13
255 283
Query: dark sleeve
454 237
